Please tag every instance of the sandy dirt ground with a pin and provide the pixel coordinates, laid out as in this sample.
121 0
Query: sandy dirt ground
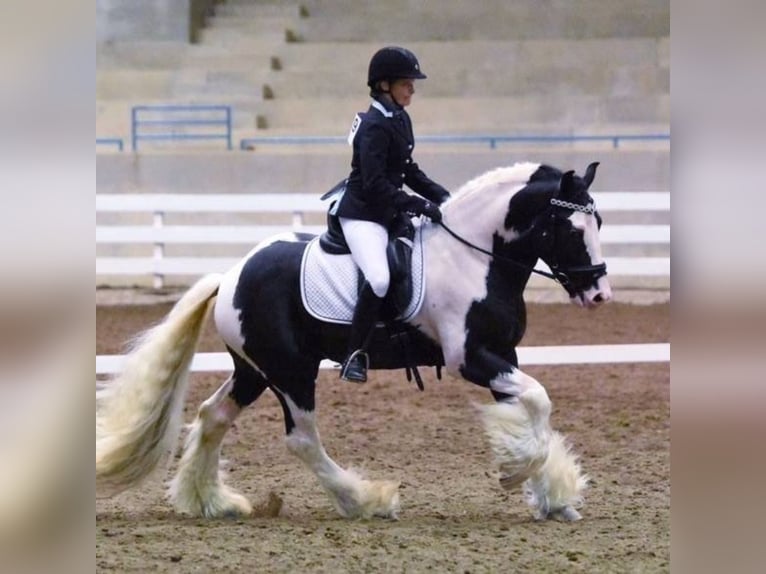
454 517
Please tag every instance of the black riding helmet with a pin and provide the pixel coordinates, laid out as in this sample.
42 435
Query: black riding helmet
391 63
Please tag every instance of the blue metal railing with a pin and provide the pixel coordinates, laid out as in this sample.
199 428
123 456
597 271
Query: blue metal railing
491 140
116 142
196 122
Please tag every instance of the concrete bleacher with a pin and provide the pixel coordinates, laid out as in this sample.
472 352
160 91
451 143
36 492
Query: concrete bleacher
287 67
299 68
481 68
402 20
230 64
540 114
530 86
551 83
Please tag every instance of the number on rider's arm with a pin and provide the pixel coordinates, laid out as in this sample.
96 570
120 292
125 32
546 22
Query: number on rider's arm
354 127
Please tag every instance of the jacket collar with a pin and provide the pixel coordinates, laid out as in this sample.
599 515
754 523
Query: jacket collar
387 111
403 127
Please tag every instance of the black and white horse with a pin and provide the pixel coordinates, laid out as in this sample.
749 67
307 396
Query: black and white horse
471 319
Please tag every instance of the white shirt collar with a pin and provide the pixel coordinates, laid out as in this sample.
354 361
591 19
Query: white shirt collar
382 109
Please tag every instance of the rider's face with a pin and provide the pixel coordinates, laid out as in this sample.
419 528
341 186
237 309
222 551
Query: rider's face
402 91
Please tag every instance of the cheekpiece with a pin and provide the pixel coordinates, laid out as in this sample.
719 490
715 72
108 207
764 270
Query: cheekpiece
590 208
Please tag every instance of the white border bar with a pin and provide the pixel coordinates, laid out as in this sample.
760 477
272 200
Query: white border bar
565 355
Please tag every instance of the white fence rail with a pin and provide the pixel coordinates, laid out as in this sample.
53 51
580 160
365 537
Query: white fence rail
563 355
159 234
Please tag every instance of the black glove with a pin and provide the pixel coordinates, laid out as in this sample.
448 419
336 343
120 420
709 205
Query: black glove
431 211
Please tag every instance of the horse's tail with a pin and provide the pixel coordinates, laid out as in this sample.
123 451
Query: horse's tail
139 414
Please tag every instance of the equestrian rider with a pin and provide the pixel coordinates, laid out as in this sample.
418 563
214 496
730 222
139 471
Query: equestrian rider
382 141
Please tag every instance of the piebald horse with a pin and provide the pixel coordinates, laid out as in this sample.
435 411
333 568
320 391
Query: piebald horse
494 230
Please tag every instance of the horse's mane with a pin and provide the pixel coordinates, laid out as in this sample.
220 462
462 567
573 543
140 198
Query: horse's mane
519 173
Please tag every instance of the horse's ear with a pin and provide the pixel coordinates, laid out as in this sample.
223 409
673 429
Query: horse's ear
590 173
566 185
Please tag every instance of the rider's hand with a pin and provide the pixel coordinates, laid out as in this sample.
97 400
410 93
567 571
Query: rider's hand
431 211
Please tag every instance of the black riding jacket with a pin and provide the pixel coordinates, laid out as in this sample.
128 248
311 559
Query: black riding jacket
381 165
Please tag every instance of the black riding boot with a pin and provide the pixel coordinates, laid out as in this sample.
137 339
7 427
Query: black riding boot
355 366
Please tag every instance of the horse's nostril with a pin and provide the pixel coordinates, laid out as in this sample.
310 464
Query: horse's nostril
598 298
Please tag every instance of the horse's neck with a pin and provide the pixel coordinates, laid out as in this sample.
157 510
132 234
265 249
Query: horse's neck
478 221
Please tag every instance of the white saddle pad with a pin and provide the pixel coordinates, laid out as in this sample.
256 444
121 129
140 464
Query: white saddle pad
329 283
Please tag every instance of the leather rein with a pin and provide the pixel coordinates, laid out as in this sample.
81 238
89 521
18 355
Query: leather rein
557 274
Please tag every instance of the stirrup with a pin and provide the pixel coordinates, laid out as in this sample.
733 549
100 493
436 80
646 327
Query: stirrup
354 369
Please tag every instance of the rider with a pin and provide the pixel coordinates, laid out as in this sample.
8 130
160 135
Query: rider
383 141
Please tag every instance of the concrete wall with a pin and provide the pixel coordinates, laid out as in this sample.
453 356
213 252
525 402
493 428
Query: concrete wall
315 171
408 20
131 20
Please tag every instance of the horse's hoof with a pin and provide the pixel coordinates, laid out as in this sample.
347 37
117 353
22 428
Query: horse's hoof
509 482
566 514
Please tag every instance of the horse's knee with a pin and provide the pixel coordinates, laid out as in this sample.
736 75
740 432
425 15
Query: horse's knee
513 383
299 444
216 418
537 402
518 385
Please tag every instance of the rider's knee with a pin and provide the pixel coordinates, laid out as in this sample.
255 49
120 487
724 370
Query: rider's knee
379 283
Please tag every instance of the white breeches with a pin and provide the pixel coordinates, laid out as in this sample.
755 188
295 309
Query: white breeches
368 242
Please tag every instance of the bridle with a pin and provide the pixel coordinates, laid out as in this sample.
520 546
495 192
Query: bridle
559 273
563 274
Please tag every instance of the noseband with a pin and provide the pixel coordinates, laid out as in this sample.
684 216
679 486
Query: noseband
560 274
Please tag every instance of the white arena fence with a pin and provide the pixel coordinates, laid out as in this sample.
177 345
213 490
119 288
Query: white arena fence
563 355
160 235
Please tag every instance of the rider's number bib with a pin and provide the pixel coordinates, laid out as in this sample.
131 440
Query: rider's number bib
354 128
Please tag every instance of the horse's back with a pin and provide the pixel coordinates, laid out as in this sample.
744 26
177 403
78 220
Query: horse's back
257 296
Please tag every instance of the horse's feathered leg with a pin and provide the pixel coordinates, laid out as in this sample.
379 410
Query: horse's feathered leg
198 488
527 451
351 495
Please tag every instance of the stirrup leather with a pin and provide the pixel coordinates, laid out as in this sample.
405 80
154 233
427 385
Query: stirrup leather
355 367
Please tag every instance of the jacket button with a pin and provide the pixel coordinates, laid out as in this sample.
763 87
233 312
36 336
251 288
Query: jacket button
403 175
409 146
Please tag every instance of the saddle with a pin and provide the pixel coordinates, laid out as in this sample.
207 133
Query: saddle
330 283
401 238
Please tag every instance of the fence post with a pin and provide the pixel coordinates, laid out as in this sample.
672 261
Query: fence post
133 113
159 250
228 126
298 220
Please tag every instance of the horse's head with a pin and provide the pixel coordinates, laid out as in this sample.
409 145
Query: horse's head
570 240
530 211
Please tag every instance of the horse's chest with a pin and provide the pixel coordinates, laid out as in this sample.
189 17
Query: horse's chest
494 323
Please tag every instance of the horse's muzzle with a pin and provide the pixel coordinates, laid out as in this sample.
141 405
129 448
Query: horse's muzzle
595 296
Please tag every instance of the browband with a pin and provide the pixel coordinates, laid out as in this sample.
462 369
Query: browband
590 208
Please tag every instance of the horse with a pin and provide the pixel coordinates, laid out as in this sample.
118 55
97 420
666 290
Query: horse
494 230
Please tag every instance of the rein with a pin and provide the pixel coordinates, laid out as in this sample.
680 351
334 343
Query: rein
559 275
497 256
